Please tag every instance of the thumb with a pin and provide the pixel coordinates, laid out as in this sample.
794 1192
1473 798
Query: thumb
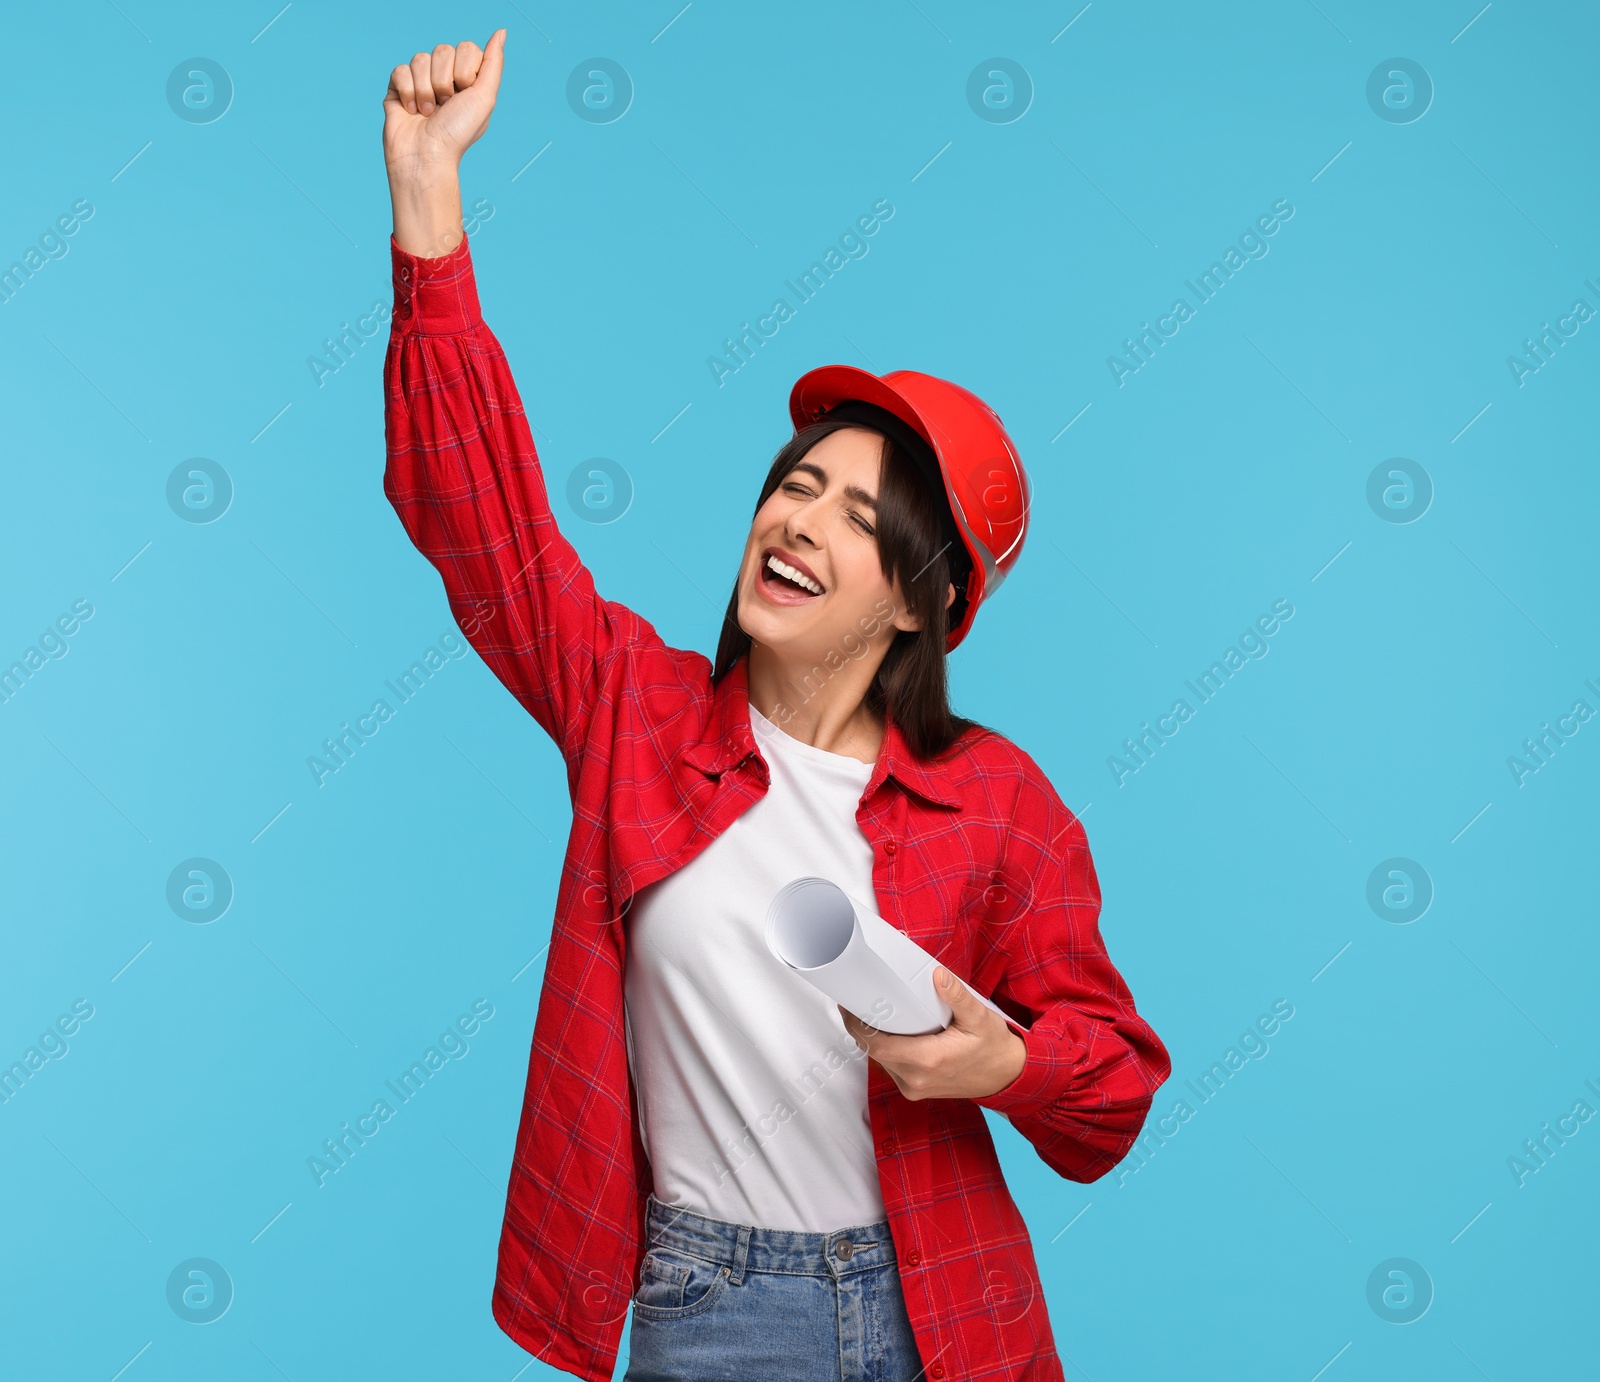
954 992
494 62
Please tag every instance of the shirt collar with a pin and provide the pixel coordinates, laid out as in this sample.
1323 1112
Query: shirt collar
728 741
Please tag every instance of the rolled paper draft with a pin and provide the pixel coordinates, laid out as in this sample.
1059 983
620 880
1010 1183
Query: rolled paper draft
859 960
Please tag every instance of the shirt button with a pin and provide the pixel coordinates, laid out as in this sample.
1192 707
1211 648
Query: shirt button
913 1258
937 1370
890 1146
889 846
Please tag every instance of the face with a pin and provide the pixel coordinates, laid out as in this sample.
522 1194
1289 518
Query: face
821 522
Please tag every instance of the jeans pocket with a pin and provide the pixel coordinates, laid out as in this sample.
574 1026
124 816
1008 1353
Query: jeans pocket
675 1284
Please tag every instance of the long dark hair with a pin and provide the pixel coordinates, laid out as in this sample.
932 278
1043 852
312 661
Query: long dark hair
912 521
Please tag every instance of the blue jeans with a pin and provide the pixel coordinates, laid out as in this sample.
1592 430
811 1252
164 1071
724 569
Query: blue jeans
724 1302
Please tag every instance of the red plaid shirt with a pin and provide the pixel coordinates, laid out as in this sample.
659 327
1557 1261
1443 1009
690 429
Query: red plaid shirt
975 858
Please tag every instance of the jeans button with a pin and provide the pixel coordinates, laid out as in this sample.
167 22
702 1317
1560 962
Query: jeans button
844 1249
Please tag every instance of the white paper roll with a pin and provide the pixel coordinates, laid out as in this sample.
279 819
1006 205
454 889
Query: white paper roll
859 960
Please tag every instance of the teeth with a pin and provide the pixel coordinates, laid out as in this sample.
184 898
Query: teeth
805 581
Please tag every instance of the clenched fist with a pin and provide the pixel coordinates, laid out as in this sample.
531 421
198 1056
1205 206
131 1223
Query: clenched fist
439 104
436 108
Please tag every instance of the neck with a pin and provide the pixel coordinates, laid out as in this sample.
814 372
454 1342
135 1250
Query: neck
830 714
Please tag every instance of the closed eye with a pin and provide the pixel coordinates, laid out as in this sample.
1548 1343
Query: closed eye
792 488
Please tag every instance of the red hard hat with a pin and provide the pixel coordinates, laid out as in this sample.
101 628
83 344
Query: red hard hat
983 476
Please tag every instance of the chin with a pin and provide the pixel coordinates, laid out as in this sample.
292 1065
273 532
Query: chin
762 627
766 627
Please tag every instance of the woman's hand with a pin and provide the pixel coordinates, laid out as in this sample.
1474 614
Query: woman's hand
976 1055
436 108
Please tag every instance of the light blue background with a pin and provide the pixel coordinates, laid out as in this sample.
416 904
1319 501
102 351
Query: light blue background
378 907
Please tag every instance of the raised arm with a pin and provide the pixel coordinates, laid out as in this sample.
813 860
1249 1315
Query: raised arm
462 472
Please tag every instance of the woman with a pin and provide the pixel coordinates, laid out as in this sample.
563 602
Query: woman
778 1190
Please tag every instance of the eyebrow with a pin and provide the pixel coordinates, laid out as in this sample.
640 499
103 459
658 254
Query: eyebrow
854 492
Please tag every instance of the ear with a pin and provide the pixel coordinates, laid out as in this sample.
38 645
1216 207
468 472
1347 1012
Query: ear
910 623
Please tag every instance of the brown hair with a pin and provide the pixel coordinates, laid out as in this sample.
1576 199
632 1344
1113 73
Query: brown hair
910 687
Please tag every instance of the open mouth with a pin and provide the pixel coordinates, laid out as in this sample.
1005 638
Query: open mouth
787 582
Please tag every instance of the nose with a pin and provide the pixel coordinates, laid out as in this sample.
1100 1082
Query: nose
797 526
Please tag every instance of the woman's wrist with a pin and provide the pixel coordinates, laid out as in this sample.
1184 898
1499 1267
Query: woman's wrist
1016 1061
426 196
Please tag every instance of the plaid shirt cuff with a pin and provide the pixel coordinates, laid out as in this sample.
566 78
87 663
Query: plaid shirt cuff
434 297
1036 1088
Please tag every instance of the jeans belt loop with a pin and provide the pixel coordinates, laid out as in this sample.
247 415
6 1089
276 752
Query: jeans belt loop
741 1250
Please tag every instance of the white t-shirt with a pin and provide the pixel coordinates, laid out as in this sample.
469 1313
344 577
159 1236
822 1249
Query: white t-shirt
753 1097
